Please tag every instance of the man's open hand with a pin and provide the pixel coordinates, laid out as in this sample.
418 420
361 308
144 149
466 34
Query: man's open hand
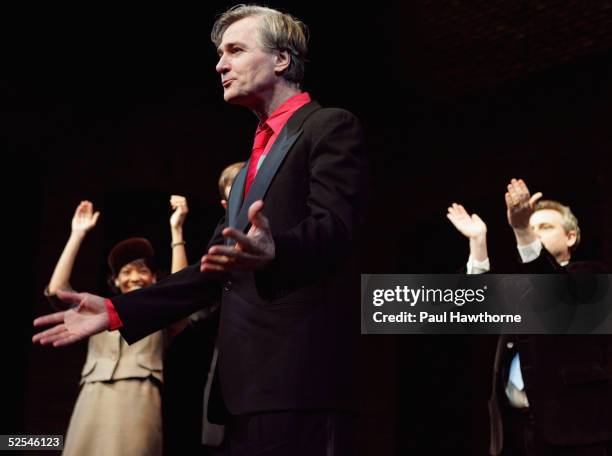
251 251
88 317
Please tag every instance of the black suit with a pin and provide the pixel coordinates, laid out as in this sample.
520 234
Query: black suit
568 381
287 334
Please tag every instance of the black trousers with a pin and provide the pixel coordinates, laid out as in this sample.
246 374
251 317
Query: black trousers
295 433
522 439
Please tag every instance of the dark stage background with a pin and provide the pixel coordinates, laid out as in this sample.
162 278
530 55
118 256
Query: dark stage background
123 107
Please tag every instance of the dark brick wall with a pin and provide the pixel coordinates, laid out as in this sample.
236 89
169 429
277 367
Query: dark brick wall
472 44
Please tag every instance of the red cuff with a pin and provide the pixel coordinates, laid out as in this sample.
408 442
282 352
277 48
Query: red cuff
114 322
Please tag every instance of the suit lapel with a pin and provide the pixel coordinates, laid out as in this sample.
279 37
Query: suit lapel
266 172
235 197
275 157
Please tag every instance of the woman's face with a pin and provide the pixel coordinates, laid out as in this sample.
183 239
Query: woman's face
134 275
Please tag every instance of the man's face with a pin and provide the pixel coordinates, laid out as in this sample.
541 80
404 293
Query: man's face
134 275
548 226
246 69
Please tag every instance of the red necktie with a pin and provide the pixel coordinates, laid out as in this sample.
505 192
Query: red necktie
262 136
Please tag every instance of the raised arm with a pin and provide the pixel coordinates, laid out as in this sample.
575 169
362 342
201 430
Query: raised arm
519 207
83 221
473 228
179 254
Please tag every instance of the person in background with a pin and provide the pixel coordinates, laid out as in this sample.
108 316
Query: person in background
226 180
187 429
550 394
118 409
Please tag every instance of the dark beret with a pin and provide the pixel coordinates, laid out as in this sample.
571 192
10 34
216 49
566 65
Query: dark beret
127 251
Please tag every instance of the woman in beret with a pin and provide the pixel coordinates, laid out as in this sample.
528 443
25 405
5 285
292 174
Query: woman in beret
118 410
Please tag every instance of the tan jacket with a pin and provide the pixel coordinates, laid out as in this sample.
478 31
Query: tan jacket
109 357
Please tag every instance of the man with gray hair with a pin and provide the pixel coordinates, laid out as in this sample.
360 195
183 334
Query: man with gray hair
280 260
550 394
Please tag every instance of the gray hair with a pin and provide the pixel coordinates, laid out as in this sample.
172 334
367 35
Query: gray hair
570 222
278 32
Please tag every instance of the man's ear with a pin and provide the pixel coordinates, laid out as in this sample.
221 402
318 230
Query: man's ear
224 204
571 238
155 277
283 60
117 283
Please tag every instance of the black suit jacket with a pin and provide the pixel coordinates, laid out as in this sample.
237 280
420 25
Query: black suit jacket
287 334
568 378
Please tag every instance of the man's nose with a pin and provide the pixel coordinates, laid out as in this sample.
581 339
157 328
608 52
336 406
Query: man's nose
222 65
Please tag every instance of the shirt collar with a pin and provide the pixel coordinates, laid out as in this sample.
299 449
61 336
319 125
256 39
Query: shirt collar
279 117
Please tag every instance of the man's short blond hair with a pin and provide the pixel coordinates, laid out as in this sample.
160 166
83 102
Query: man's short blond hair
226 179
570 222
278 32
